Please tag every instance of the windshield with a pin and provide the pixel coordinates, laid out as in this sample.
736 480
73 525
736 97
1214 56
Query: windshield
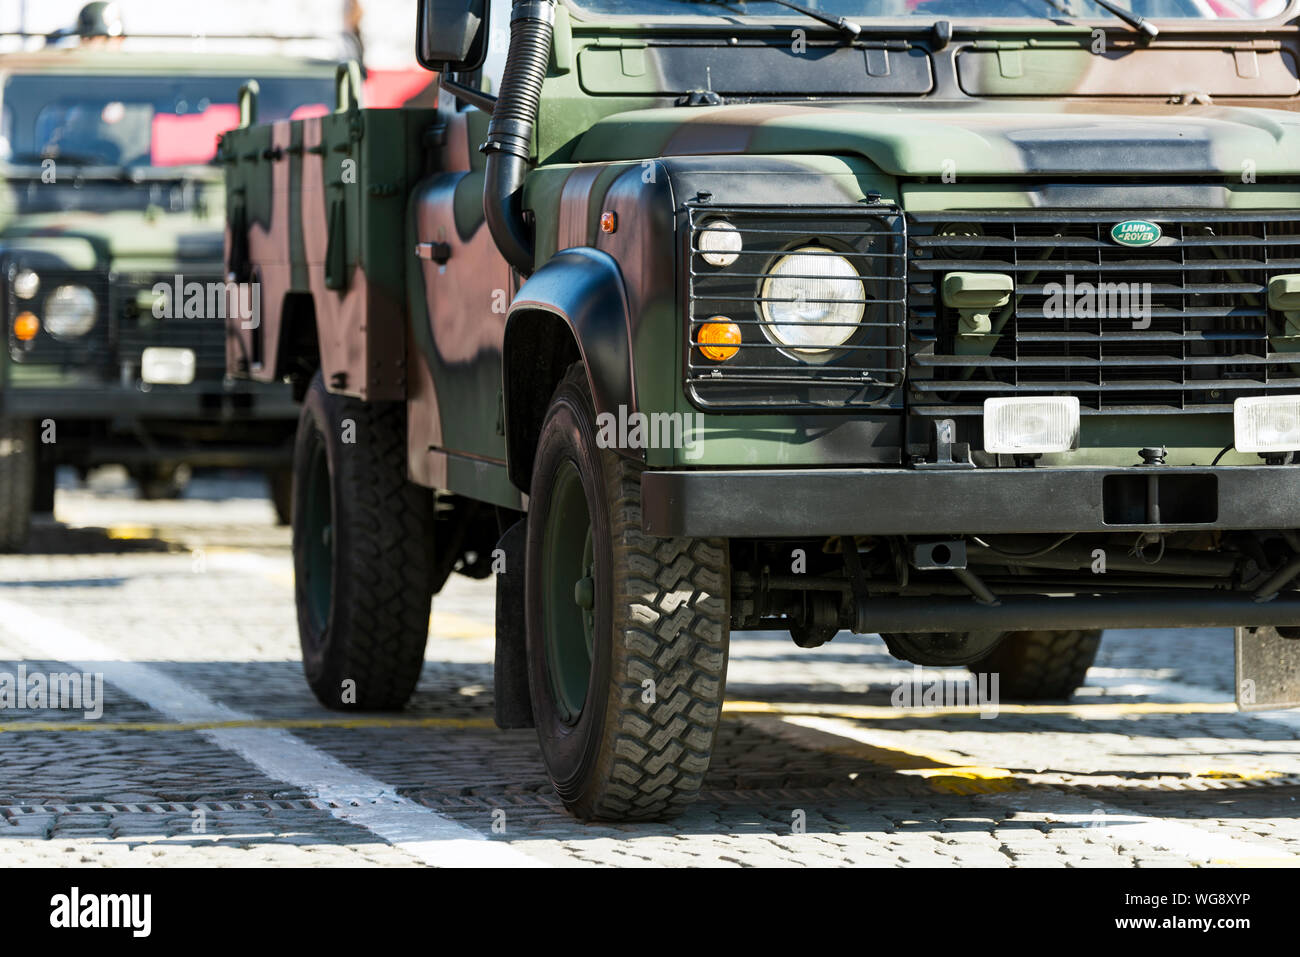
138 120
865 10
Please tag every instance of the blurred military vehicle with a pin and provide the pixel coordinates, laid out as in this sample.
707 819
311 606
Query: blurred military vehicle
111 222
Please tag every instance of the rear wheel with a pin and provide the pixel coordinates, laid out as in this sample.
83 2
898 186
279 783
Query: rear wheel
939 649
362 552
1041 665
626 634
17 482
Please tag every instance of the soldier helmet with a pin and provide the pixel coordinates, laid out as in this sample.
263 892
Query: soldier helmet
99 19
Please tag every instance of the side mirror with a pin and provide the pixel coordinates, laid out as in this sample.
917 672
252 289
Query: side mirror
451 36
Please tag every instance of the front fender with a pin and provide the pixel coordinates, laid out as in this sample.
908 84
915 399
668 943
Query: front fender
582 290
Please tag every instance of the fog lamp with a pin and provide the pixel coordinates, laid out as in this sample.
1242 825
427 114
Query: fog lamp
161 366
1030 426
1266 423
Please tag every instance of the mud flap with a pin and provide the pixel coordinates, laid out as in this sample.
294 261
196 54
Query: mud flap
514 703
1268 670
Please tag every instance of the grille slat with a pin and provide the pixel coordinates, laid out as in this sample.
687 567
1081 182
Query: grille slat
1179 325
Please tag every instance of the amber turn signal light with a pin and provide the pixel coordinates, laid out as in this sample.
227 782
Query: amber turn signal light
26 325
719 340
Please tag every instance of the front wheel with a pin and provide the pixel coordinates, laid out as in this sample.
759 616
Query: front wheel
626 634
1041 665
362 553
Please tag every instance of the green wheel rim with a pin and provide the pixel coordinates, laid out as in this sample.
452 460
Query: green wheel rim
568 593
318 532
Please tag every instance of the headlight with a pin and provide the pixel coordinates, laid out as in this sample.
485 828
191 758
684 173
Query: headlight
26 284
70 312
812 301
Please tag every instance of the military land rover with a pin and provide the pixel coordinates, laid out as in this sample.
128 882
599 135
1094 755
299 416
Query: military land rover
970 323
111 223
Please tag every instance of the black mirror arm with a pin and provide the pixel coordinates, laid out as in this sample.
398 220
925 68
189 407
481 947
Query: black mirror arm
467 94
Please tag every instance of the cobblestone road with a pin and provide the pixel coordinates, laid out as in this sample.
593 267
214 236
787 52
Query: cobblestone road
210 749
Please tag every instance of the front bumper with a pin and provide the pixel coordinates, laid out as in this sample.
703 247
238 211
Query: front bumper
201 401
795 503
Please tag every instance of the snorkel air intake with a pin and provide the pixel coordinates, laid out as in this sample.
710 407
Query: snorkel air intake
510 133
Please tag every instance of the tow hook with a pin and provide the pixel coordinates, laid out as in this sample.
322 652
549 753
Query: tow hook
1153 457
951 556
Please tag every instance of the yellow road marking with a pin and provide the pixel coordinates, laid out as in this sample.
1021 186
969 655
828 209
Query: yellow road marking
887 712
132 532
1238 775
944 772
1256 862
272 723
448 624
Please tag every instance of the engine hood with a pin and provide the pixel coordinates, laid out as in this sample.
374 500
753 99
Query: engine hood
122 240
965 139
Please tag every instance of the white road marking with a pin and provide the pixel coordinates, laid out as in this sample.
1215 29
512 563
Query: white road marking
1124 828
366 801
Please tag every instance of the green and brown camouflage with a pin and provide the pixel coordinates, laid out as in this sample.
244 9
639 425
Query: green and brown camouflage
1064 398
948 149
106 185
986 121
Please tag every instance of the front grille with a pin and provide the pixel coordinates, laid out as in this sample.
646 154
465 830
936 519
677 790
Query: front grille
764 374
1207 342
139 329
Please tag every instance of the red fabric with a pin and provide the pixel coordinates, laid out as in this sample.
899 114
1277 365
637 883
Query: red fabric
389 89
191 138
308 111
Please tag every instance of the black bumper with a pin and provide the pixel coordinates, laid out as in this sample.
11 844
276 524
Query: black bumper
203 403
815 502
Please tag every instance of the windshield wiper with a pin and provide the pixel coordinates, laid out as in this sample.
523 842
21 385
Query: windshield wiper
1128 16
847 27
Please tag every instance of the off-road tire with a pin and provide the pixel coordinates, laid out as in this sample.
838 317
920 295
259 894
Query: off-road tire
17 482
942 649
367 650
661 615
1041 665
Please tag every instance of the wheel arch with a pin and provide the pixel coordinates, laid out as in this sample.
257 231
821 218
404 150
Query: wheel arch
574 308
297 351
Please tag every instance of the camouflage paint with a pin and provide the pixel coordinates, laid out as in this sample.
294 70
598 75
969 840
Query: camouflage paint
977 106
315 202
